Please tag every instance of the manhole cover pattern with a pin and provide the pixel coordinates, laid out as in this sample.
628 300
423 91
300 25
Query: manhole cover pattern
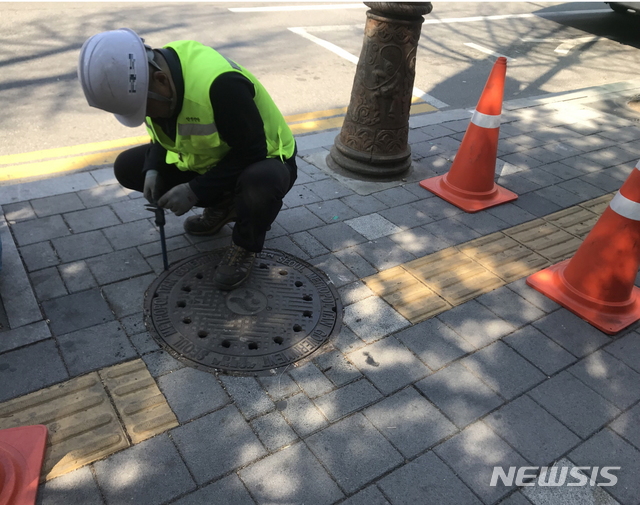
284 312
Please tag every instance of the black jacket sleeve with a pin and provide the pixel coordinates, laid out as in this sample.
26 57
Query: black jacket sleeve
240 125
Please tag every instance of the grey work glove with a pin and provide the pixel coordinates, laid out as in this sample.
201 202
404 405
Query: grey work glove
152 183
178 199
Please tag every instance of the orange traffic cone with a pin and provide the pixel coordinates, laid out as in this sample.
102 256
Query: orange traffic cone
597 284
470 182
21 456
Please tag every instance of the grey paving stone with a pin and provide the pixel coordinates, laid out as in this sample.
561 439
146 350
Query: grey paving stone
558 195
482 223
24 335
20 211
373 226
161 363
518 182
355 263
30 368
334 268
575 335
451 232
77 276
578 407
567 494
354 452
303 415
337 236
517 499
144 343
91 219
285 244
292 475
336 368
347 341
37 256
56 204
525 140
406 216
368 496
192 393
611 155
372 318
602 180
473 454
388 364
409 422
39 230
130 210
82 246
328 189
459 394
393 197
354 292
434 343
541 177
384 253
436 208
627 349
561 170
503 370
77 311
608 449
104 176
536 204
582 189
311 380
95 347
532 431
539 350
347 399
512 308
273 431
118 266
609 377
309 244
426 480
511 214
364 205
131 234
127 297
234 439
298 219
139 474
226 491
532 296
583 164
102 195
476 324
248 395
627 426
300 195
78 486
279 386
419 242
48 284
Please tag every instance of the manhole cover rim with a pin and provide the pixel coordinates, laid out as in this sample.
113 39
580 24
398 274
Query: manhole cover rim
149 324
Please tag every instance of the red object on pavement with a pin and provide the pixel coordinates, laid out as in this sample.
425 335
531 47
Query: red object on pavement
597 283
21 456
469 184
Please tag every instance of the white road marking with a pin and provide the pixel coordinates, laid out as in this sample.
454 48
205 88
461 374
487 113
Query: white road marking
487 51
285 8
566 44
354 59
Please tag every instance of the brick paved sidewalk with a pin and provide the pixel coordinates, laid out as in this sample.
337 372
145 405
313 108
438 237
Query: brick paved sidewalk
406 405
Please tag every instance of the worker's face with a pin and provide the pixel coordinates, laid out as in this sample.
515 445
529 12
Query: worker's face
159 82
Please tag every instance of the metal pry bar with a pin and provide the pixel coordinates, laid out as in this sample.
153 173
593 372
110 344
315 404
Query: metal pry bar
160 222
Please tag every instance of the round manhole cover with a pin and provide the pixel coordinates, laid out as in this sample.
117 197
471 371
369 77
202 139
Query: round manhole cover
284 312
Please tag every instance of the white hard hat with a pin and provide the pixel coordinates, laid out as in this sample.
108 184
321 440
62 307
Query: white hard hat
114 72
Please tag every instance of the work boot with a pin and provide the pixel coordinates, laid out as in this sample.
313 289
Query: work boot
234 268
211 220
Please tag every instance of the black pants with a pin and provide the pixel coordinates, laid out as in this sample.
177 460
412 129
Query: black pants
257 192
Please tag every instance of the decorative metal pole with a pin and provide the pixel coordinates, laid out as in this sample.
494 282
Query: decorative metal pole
374 140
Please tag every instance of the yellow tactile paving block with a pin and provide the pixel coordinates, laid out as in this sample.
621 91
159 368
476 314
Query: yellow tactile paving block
83 425
505 257
142 407
453 275
598 205
546 239
410 297
576 220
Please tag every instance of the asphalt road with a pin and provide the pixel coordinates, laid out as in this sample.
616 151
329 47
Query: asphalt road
305 58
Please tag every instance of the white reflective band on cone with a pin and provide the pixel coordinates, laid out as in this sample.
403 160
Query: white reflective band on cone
485 120
626 208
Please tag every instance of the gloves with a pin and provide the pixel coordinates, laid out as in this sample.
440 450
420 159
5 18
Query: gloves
178 199
152 183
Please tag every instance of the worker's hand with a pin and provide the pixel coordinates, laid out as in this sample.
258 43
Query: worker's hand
152 183
178 199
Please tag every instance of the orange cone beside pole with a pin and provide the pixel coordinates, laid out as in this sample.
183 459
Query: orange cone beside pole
469 184
597 283
21 457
